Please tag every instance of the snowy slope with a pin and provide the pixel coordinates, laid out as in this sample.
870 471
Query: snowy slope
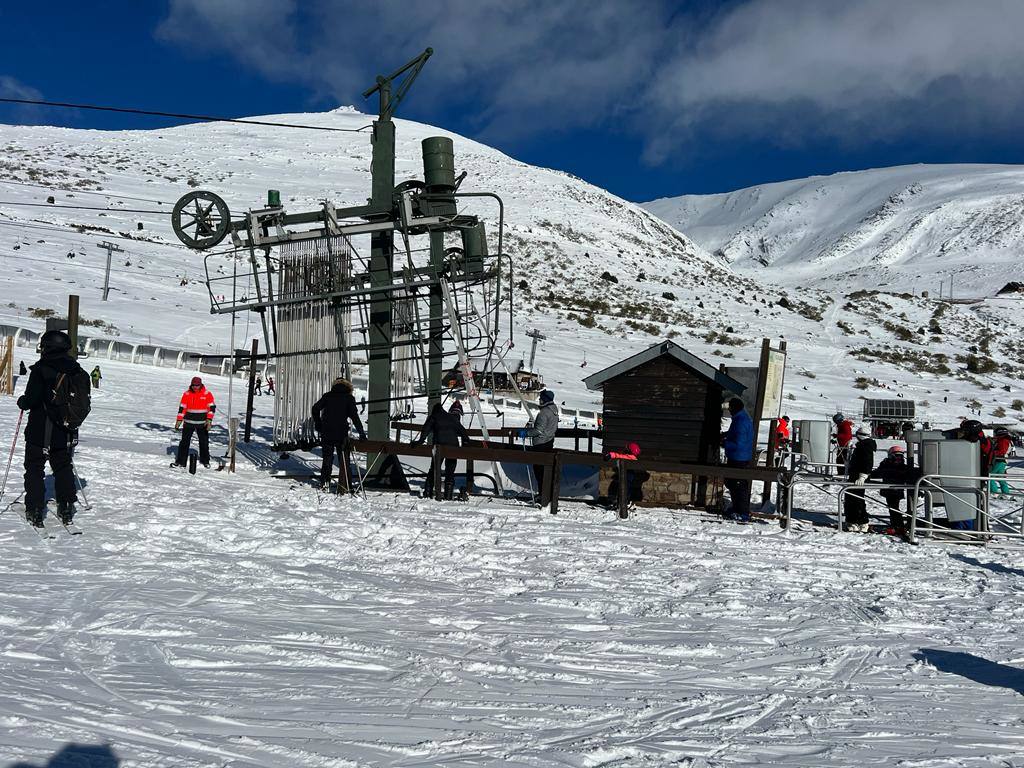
903 228
562 235
245 622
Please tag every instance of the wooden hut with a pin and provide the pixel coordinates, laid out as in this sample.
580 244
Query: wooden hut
669 402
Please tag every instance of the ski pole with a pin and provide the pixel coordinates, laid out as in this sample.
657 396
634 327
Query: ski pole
10 458
81 487
529 476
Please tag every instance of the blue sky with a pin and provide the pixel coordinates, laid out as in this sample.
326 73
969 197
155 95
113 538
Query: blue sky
648 98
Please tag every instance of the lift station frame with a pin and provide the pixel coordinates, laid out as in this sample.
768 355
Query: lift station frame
322 295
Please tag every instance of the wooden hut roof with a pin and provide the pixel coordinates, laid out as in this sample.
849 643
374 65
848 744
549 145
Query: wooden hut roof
690 361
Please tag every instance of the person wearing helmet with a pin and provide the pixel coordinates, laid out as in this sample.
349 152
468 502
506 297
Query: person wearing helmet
862 461
782 432
46 438
973 431
1000 451
844 438
195 412
894 470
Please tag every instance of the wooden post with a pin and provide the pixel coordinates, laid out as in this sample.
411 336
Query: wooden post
73 324
470 480
232 441
576 439
7 367
252 388
556 482
773 439
620 473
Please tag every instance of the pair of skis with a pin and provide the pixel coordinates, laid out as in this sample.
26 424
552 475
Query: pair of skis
43 531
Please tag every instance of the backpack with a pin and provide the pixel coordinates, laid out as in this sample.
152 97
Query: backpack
72 400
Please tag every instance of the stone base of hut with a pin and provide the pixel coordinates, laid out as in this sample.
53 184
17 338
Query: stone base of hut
664 489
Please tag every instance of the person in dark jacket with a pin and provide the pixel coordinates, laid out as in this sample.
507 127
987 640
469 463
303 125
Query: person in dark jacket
443 428
738 442
22 370
45 437
894 470
331 416
862 462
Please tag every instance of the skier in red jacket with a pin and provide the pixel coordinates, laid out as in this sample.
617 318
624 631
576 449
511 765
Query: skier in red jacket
196 412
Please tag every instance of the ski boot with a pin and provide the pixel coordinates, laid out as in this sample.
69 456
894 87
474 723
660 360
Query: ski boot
449 491
35 516
66 510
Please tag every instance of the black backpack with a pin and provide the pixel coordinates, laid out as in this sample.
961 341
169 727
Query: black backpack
72 400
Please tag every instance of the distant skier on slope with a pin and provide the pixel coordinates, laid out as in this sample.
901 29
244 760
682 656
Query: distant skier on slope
270 385
331 416
862 462
738 442
196 412
258 385
96 377
55 383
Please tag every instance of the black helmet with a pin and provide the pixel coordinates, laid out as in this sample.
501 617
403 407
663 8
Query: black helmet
838 418
55 341
971 428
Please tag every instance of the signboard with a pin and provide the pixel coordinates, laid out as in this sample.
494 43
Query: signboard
770 381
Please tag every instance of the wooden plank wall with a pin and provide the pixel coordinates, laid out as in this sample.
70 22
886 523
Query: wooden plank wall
664 407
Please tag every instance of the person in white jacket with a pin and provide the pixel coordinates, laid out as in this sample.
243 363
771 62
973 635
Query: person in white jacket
542 432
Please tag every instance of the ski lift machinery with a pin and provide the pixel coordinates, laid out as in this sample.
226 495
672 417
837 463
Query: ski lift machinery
321 303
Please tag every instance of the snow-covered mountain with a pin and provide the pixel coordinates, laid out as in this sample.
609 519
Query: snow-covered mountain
562 235
906 228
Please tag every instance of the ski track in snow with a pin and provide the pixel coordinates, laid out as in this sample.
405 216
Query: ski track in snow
223 620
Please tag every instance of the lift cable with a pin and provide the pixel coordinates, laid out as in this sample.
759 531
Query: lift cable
183 116
83 207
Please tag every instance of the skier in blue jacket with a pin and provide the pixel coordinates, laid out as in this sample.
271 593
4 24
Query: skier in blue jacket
739 451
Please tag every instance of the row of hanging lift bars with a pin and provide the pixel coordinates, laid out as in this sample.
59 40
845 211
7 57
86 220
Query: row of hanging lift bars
322 294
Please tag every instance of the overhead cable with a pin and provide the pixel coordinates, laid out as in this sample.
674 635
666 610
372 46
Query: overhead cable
182 115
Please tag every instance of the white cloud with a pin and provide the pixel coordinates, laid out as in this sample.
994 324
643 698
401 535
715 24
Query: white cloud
783 70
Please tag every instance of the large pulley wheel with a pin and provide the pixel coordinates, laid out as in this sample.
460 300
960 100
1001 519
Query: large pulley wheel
201 219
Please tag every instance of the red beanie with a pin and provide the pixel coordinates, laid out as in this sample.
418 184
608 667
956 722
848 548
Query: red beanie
196 380
633 448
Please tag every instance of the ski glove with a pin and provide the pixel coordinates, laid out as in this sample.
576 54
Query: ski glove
522 434
177 426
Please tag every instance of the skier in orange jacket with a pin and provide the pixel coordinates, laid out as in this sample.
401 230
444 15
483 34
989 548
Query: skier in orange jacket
196 412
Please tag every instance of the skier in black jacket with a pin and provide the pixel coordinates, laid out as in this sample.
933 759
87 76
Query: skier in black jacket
445 429
45 437
331 415
862 461
894 470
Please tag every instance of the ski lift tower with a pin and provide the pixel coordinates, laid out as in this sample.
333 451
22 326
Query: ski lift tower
536 336
325 301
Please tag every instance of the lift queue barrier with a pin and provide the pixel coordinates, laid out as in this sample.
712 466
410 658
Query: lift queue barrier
553 461
987 526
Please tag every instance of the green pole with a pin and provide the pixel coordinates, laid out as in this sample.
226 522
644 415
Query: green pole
382 245
435 350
